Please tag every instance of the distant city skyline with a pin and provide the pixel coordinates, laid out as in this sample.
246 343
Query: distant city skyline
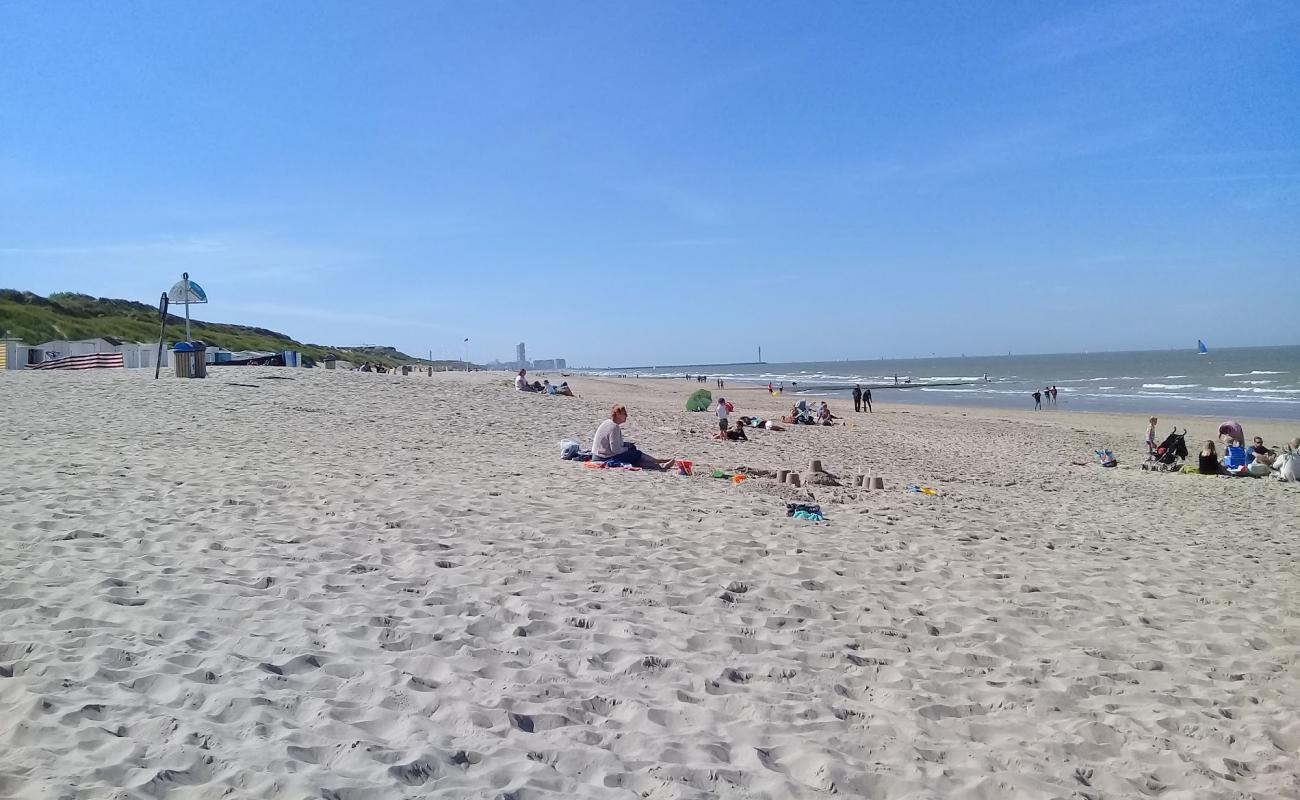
666 183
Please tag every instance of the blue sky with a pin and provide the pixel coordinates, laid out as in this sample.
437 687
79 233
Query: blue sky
666 182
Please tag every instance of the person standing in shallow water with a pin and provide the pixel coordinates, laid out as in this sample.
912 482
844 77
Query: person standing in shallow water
1038 400
857 398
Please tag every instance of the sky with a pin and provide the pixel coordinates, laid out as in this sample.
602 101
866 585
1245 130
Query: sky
644 183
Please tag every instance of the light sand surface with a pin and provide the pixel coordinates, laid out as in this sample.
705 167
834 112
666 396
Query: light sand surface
347 585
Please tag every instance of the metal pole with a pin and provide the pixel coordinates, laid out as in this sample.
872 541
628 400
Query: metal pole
185 276
162 328
467 355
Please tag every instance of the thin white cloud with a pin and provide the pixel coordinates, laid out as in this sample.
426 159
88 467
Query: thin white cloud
233 256
1026 145
1098 29
323 314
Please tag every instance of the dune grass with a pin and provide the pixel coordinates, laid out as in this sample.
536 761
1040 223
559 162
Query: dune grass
66 315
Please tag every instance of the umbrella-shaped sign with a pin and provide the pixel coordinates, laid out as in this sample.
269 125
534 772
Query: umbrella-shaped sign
187 291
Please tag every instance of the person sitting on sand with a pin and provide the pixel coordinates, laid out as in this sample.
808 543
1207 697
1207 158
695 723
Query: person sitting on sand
824 415
521 381
1287 465
608 444
1257 452
735 434
564 389
1208 463
798 415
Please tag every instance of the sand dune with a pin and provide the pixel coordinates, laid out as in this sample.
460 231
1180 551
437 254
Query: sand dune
353 586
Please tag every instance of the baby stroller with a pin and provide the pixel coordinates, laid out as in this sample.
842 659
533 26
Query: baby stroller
1167 456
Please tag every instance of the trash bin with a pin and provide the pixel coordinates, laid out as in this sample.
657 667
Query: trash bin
189 358
200 369
329 361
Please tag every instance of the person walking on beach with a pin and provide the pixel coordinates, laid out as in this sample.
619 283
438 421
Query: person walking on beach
1053 395
723 410
857 398
1038 400
866 400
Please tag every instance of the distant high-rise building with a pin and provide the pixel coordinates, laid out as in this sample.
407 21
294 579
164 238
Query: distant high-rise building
520 356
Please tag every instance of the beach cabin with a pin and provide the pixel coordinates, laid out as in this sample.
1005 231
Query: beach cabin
135 355
217 355
10 350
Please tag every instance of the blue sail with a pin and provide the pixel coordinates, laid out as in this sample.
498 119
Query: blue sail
1201 349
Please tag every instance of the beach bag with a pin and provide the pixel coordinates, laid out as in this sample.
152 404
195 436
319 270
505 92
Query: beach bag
569 449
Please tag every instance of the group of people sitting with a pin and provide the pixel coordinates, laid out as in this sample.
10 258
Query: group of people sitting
801 414
1257 460
545 387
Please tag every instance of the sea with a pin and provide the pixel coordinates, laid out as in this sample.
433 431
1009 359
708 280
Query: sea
1254 382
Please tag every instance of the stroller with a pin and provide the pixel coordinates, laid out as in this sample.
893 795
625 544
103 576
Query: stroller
1167 456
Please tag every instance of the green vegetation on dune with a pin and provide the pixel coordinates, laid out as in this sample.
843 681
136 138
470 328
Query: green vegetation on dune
66 315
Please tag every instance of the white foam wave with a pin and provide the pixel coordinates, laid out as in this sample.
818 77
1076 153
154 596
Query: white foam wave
1253 390
1170 385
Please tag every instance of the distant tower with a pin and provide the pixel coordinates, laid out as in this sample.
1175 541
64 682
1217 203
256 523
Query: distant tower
519 355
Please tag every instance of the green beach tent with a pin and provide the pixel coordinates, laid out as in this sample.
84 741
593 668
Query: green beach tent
700 401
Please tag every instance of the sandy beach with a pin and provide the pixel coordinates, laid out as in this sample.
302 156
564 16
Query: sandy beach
301 584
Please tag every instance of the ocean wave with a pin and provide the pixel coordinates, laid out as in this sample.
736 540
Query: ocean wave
972 391
1253 390
1241 398
1174 377
1170 385
1256 382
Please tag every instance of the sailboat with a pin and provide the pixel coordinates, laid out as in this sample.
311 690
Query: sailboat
1201 349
